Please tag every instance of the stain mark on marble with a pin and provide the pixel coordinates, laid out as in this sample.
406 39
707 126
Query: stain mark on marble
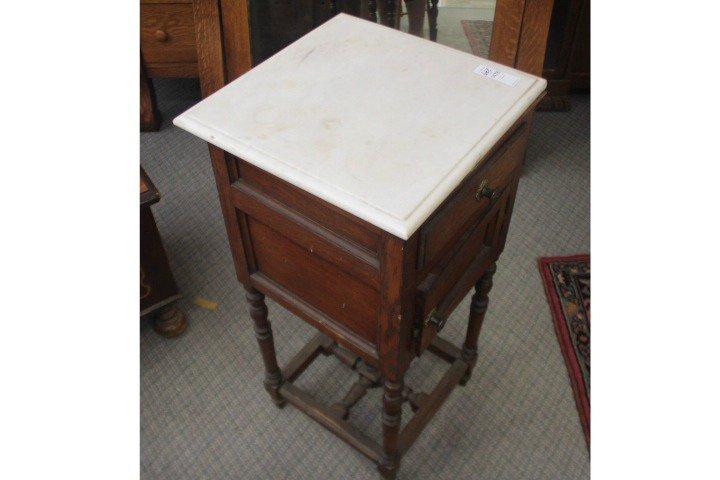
329 123
306 55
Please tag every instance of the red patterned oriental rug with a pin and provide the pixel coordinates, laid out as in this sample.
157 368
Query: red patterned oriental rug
567 286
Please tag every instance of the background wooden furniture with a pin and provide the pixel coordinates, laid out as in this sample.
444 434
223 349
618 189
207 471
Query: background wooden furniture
167 38
170 32
519 32
158 290
150 119
171 41
378 298
567 61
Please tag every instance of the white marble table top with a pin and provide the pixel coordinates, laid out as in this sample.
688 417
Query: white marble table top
377 122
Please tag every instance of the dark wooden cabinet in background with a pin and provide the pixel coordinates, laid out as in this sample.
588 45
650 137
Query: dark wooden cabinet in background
567 56
276 23
174 37
167 38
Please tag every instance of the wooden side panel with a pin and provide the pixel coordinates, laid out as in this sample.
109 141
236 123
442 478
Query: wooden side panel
397 294
315 209
212 78
333 279
208 32
236 35
315 281
534 33
520 31
308 235
506 31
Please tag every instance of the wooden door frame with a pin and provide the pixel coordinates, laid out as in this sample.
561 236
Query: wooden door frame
520 31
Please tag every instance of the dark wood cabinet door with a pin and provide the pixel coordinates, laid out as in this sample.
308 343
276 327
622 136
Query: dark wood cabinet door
567 57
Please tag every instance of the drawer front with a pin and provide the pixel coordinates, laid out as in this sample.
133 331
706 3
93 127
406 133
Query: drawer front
167 34
450 280
318 261
345 302
472 200
466 234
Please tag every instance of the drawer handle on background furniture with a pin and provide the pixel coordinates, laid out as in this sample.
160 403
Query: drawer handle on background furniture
160 35
485 191
434 319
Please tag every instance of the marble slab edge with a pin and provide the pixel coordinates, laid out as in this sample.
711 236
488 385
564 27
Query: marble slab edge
402 228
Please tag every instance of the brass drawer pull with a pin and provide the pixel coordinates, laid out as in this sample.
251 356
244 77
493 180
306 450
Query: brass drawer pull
485 191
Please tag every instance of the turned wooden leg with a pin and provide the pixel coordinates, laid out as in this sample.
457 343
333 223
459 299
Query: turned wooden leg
478 307
372 10
432 19
169 321
387 13
416 16
263 333
392 411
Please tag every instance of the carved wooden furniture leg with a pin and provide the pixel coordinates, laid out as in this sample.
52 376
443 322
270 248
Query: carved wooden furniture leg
263 333
170 321
387 13
432 9
372 8
478 307
416 16
392 403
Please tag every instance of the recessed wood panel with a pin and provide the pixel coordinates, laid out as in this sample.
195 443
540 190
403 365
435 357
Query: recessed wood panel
315 281
308 235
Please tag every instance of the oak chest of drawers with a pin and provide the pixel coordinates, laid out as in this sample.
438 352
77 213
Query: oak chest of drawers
369 205
190 38
167 38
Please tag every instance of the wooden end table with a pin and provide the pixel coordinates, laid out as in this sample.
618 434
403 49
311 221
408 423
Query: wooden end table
367 179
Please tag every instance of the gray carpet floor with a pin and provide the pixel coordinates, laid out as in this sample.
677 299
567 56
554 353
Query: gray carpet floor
205 414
